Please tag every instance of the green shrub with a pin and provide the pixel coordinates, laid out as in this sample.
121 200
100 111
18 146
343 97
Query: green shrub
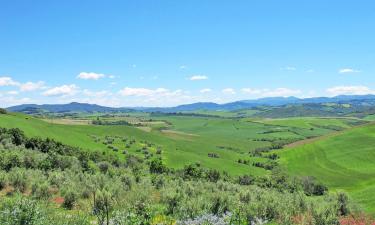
18 179
70 199
3 180
41 191
20 211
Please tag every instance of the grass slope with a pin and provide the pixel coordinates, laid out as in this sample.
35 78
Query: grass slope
343 162
178 149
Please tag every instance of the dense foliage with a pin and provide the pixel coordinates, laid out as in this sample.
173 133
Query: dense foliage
47 182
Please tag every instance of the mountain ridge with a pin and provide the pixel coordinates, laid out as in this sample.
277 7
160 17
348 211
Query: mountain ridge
236 105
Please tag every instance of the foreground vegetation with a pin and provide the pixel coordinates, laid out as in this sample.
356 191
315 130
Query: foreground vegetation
44 182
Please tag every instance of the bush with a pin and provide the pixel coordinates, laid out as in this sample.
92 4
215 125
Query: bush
70 198
312 187
20 211
157 166
104 167
3 180
41 191
213 175
246 180
192 171
3 111
18 179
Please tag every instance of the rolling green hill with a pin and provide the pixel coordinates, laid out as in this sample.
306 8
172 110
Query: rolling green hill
344 161
185 140
179 148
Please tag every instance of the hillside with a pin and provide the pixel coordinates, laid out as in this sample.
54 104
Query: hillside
344 161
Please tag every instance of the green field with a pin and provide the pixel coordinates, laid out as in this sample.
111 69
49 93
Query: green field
186 139
343 162
179 148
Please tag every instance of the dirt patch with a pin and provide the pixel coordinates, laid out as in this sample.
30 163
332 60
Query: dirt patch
178 132
58 200
68 121
178 135
147 129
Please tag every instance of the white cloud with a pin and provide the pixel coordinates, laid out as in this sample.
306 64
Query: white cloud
97 94
281 92
183 67
90 76
289 68
228 91
348 70
251 91
8 81
12 92
205 90
278 92
111 76
198 77
127 91
31 86
155 97
350 90
64 90
310 71
12 100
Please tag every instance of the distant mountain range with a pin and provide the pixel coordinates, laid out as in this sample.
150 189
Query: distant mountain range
362 100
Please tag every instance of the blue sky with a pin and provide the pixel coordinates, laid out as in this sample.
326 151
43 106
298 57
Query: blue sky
164 53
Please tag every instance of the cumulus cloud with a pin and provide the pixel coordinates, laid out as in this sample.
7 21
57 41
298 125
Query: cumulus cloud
90 76
348 70
8 81
350 90
278 92
289 68
228 91
12 100
12 92
198 77
155 97
64 90
97 94
140 92
31 86
205 90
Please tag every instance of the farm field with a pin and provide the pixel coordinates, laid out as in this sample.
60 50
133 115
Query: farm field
343 162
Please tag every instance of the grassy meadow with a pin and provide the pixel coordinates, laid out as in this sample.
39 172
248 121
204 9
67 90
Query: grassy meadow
344 161
182 139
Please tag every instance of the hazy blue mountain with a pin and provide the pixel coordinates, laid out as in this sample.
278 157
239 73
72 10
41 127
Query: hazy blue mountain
364 100
71 107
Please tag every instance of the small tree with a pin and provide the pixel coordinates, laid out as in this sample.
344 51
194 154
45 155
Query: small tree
157 166
70 198
103 206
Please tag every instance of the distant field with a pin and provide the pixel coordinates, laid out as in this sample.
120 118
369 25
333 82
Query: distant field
370 117
343 162
177 150
182 139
